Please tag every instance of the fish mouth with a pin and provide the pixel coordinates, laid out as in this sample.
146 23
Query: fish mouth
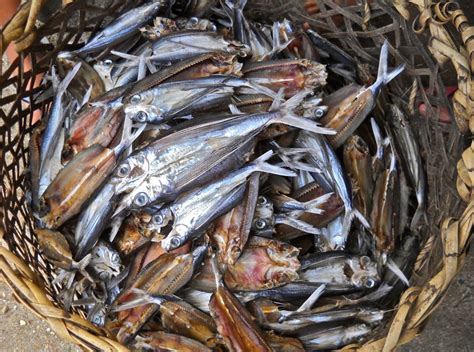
125 203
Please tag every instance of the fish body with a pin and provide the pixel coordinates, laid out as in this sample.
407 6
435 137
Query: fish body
348 108
409 151
340 272
122 28
195 209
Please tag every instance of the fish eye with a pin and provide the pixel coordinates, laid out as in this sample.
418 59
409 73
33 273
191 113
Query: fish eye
213 28
260 224
175 242
261 200
158 219
369 282
141 199
141 116
242 53
364 261
258 25
108 62
319 112
115 258
123 170
135 99
194 21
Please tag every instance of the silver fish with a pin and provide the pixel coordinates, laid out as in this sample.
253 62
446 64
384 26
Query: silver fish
186 44
52 132
123 27
193 210
408 149
333 177
182 159
105 262
174 99
293 321
335 337
340 272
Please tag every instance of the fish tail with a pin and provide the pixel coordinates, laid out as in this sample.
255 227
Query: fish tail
420 211
128 137
141 298
312 206
349 216
261 165
67 80
383 76
236 4
302 123
396 270
297 224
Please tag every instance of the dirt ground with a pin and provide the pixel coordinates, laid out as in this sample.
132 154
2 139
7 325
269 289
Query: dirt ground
448 330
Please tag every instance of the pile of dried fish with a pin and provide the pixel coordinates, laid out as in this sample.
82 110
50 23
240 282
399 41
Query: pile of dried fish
204 182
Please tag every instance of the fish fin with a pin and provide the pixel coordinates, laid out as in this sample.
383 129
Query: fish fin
128 137
278 99
301 123
349 216
84 262
220 155
312 299
141 67
115 226
236 5
262 166
419 212
396 270
312 205
87 97
142 298
234 110
297 224
361 218
383 76
67 80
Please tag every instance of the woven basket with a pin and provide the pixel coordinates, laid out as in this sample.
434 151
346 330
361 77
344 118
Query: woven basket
434 40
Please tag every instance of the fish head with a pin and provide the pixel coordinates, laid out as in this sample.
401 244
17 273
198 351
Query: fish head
105 262
364 272
66 60
264 264
130 237
55 247
176 238
50 213
356 332
143 112
153 221
142 196
161 26
130 173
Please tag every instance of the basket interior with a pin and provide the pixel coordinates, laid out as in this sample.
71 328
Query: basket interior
355 29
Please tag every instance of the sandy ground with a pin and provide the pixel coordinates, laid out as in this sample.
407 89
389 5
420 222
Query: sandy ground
448 330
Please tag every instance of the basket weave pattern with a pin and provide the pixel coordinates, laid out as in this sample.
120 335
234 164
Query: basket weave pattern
428 37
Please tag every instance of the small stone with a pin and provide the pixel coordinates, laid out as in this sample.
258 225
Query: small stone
14 307
22 322
48 329
4 310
